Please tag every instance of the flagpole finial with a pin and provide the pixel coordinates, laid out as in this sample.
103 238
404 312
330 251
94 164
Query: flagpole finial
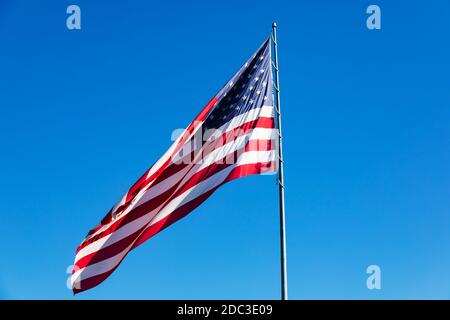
274 24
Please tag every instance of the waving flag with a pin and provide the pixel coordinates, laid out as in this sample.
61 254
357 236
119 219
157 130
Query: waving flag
232 137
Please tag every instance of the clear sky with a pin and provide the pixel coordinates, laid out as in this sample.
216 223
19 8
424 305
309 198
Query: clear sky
367 146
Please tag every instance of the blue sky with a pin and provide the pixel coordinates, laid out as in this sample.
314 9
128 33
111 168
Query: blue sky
367 136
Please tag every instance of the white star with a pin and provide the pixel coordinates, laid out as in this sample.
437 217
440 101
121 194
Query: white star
258 92
256 79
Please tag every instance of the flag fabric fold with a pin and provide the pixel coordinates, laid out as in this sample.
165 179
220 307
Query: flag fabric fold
232 137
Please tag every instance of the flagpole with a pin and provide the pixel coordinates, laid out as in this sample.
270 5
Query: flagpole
284 286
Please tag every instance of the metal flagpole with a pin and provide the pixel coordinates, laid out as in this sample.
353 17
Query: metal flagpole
284 287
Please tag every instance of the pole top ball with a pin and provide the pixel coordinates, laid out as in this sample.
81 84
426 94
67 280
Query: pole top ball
274 25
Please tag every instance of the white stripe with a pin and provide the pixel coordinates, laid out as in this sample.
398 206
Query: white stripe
256 157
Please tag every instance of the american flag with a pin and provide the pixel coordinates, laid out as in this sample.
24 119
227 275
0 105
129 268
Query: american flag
232 137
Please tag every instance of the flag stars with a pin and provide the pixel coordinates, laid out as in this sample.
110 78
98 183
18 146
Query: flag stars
244 91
